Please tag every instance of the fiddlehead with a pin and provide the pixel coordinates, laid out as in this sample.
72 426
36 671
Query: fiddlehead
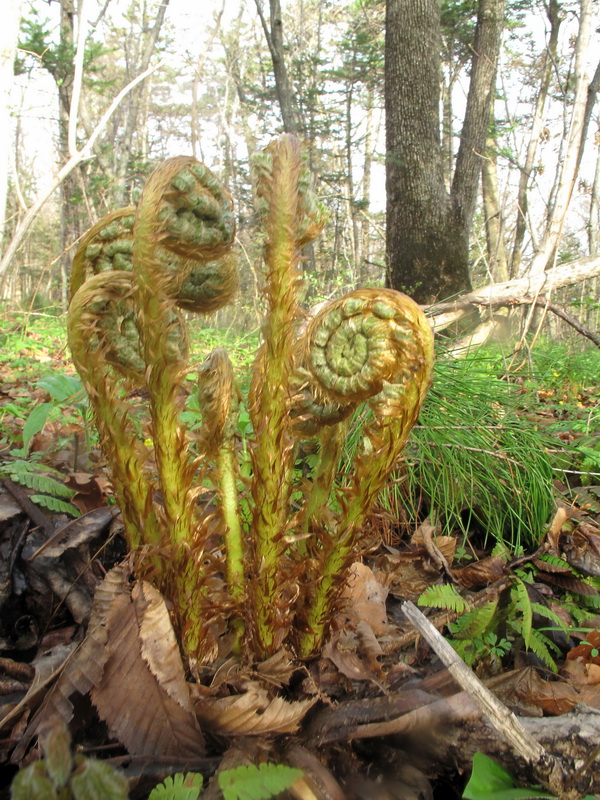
374 346
184 219
292 216
106 246
97 350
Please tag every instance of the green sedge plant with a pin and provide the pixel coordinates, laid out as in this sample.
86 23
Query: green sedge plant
234 555
474 462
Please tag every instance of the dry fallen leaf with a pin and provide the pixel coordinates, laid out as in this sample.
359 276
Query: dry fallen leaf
364 598
251 713
159 644
136 708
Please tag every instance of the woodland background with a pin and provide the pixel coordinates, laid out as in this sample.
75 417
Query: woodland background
221 82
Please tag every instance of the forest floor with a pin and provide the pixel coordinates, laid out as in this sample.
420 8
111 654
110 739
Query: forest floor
386 718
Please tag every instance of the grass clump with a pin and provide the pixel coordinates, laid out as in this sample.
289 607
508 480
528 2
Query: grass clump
474 462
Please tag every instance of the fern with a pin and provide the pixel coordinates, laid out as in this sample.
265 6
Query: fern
257 782
466 649
474 623
48 489
540 645
178 787
544 611
42 483
54 504
555 561
444 596
523 604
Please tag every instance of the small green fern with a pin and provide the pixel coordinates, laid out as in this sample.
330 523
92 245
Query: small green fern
475 622
179 787
49 491
40 482
444 596
522 604
257 782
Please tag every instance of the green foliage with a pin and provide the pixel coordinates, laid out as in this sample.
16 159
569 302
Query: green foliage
60 776
490 781
474 460
558 379
38 39
178 787
41 479
257 782
444 596
489 632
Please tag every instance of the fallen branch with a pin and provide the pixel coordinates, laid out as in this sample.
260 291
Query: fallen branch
515 292
570 319
559 775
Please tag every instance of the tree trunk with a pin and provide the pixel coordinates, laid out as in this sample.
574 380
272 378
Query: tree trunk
575 141
274 34
425 257
9 37
555 18
494 218
427 228
594 220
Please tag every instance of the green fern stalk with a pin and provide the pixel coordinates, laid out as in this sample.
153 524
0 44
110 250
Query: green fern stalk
92 355
289 223
375 346
218 403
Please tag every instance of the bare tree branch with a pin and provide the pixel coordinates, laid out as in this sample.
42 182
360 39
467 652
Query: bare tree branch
79 156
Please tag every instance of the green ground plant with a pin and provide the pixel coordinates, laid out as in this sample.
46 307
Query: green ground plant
474 462
490 781
60 775
277 567
485 634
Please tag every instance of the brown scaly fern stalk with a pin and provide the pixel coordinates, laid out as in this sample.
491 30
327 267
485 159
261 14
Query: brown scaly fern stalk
99 349
373 346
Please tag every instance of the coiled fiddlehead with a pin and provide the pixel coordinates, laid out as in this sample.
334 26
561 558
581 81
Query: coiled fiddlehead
173 250
96 353
373 346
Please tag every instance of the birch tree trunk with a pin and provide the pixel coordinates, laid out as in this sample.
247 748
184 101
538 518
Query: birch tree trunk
555 19
543 258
